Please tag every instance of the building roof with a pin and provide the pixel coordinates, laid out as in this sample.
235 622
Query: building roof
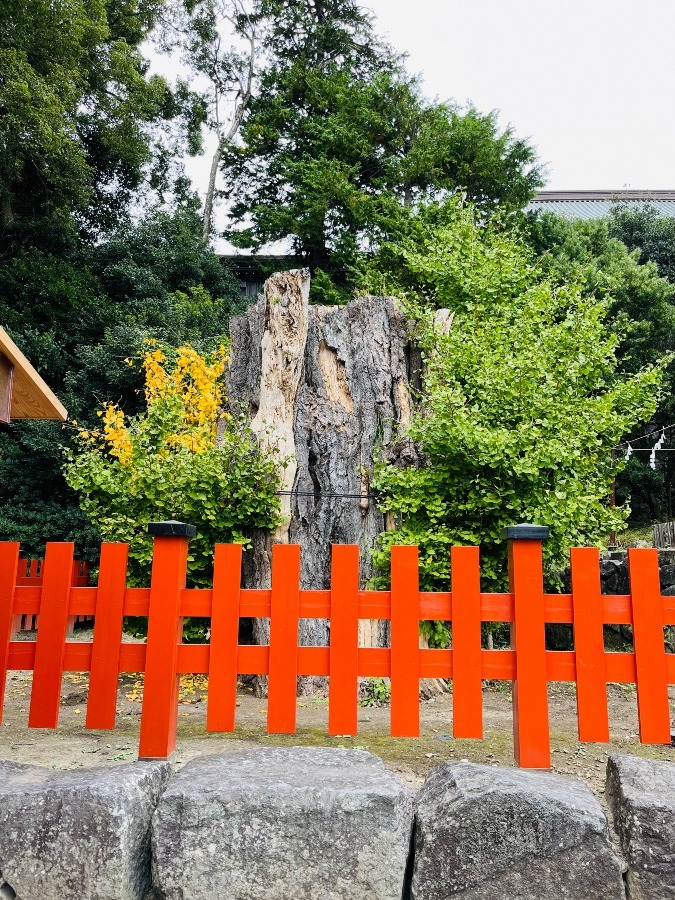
596 204
30 396
253 264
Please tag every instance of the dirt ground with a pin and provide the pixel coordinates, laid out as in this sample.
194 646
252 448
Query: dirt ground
71 746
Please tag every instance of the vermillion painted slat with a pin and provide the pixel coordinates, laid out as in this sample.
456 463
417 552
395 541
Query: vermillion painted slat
165 630
343 685
650 650
405 648
105 654
282 688
9 567
530 692
51 637
222 696
589 645
467 688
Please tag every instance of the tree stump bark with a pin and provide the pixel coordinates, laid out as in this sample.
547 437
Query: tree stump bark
330 387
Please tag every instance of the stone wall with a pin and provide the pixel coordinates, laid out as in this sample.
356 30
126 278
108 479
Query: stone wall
614 580
614 572
333 824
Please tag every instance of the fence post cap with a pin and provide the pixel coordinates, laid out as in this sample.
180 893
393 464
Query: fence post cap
525 532
172 528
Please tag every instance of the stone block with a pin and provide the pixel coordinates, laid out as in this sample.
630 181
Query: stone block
667 575
485 832
641 793
82 834
303 823
614 576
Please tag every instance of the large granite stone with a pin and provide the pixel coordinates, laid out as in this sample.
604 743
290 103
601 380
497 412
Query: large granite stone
641 793
81 835
283 824
485 832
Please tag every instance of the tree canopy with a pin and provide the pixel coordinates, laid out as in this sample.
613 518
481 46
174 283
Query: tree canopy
336 152
641 310
78 111
523 399
339 144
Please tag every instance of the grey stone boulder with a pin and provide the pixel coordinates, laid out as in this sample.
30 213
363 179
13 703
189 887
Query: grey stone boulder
299 823
641 793
483 832
82 834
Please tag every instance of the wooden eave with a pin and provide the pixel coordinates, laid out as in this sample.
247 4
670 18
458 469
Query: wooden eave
31 397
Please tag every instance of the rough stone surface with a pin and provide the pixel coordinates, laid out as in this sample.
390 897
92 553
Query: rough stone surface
82 835
283 824
641 793
483 833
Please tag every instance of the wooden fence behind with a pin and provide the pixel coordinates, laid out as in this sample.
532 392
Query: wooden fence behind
30 574
663 535
527 664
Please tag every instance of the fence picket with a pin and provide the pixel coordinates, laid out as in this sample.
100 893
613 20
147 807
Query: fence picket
165 630
405 648
9 570
650 650
108 622
222 696
467 683
50 645
283 666
589 645
530 690
343 685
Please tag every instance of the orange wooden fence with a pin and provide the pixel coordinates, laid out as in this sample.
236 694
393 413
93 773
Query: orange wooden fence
528 664
30 574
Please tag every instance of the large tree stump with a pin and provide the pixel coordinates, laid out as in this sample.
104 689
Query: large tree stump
330 386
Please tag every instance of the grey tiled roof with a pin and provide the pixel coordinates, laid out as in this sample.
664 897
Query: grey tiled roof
596 204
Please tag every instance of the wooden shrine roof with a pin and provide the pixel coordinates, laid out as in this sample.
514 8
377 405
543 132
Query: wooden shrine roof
31 397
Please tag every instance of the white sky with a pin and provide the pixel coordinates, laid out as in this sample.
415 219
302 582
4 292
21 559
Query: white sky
590 82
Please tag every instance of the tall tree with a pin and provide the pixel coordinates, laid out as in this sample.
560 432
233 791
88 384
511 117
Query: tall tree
76 112
217 41
85 133
641 306
645 229
522 400
339 142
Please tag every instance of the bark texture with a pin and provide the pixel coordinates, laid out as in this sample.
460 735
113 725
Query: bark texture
331 384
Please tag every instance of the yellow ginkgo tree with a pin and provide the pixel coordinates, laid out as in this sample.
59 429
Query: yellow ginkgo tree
183 458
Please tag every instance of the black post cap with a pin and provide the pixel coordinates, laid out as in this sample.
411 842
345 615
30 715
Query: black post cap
525 533
172 528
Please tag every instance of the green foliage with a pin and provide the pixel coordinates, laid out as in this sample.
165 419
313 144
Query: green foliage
522 403
166 464
340 147
644 229
630 276
78 111
92 307
225 491
324 291
374 692
641 302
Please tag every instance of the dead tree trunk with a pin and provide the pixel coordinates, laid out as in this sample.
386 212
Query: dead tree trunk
331 384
